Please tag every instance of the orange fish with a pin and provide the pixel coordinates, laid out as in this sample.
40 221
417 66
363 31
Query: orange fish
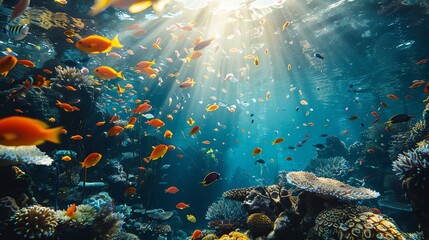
107 73
278 140
47 71
91 160
256 151
66 158
392 96
417 83
144 64
7 63
427 88
194 55
191 121
99 124
158 152
196 234
345 132
171 147
142 108
375 121
24 131
26 63
172 190
179 155
194 130
207 142
132 120
212 108
18 110
188 83
66 107
70 88
115 131
130 191
422 61
371 150
383 104
158 123
182 205
97 44
168 134
170 117
375 114
71 211
76 137
120 90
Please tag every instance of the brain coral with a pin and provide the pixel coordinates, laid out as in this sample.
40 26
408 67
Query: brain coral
259 224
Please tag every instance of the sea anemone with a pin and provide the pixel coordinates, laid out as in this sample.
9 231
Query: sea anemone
334 167
329 187
84 216
413 164
10 156
35 222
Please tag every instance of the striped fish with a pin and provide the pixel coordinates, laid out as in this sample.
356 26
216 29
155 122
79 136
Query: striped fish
15 31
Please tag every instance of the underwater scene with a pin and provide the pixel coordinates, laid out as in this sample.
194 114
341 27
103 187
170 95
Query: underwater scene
214 119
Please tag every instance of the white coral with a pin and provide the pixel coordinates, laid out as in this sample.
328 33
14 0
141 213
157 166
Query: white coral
11 156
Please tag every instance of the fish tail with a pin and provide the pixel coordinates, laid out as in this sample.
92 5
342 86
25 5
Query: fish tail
139 6
115 42
99 6
188 59
153 62
120 75
389 122
53 134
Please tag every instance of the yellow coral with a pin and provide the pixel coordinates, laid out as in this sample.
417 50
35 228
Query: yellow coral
259 224
234 236
210 237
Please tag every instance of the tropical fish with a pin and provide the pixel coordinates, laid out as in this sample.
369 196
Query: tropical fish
98 44
172 190
142 108
24 131
76 137
392 96
194 55
115 131
144 64
168 134
212 108
107 73
66 158
191 121
285 25
130 191
71 211
91 160
7 63
196 234
17 32
400 118
210 178
158 123
202 44
19 9
278 140
182 205
188 83
191 218
194 130
257 151
158 152
66 107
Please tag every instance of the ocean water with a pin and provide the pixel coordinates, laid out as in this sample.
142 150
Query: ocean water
309 72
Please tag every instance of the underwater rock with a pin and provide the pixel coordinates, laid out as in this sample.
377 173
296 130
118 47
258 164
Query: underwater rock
35 222
259 224
259 202
99 200
333 148
287 226
334 167
8 207
115 171
329 188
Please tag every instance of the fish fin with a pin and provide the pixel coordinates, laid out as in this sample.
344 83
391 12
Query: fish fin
139 6
188 59
107 50
53 134
120 75
116 43
99 6
153 62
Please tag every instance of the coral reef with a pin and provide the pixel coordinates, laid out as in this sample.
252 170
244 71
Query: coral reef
403 141
17 185
239 194
234 236
99 200
152 229
329 187
225 209
287 226
126 236
84 216
334 167
259 224
35 222
210 237
7 208
106 224
23 154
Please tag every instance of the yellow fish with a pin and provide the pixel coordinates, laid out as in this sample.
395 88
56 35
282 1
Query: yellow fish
191 218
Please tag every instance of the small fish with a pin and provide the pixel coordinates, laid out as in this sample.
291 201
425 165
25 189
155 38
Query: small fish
212 108
172 190
256 151
260 161
318 55
17 32
91 160
319 146
278 140
196 234
324 135
66 158
168 134
76 137
182 205
107 73
158 152
289 158
191 218
400 118
115 131
194 130
422 61
210 178
285 25
97 44
291 147
190 121
71 211
130 191
352 118
392 96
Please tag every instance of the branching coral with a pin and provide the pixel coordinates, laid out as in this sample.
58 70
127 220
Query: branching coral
23 154
329 187
226 209
72 76
35 222
335 167
413 164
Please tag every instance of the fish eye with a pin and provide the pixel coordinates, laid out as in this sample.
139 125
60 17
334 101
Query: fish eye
96 70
